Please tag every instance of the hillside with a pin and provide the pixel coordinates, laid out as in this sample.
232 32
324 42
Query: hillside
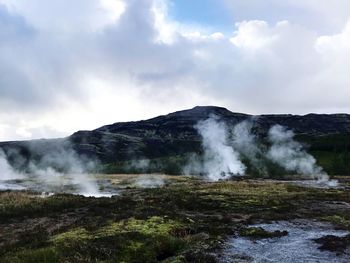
166 140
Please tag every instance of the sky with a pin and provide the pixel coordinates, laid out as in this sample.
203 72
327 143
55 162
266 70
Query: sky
77 65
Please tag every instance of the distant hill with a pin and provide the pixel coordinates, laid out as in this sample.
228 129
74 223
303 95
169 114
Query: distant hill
166 140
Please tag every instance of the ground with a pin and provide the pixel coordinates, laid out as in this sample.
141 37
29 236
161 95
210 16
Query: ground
186 220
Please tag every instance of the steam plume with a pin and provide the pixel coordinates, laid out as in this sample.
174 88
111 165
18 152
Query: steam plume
222 153
149 181
6 170
55 168
141 165
246 143
220 160
290 155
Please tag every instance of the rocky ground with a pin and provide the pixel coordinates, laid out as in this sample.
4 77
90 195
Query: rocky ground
185 220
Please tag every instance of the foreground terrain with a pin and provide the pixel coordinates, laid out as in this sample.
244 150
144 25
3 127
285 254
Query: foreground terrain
184 220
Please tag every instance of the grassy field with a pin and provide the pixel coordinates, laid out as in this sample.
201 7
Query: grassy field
186 220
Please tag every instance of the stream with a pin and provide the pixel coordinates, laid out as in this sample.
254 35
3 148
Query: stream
297 246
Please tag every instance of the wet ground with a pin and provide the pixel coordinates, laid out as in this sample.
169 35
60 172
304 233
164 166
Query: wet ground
297 246
104 185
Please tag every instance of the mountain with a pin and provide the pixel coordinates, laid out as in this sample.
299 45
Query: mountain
173 136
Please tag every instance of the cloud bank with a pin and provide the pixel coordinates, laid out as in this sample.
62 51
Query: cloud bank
67 66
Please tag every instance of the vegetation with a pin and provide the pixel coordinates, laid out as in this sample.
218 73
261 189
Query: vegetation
332 152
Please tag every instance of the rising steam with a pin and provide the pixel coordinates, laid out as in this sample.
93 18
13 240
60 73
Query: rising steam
290 155
219 160
149 181
7 172
246 143
65 165
56 168
224 150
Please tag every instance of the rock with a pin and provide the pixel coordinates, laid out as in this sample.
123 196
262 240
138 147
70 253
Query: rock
334 243
259 232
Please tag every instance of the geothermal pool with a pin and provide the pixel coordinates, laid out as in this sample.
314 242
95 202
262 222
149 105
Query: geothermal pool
297 247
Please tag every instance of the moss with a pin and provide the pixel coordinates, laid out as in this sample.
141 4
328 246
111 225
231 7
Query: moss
153 226
41 255
19 204
75 235
151 239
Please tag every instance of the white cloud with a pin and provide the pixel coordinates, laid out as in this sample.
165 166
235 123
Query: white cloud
253 34
334 44
333 79
323 16
167 30
67 16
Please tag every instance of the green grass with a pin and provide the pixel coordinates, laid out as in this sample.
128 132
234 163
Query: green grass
151 239
41 255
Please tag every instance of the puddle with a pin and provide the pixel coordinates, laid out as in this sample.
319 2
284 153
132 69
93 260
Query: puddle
297 246
97 195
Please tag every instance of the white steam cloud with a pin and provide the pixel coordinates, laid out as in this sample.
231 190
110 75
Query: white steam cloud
75 170
224 150
139 165
6 170
246 143
219 160
290 155
150 181
56 169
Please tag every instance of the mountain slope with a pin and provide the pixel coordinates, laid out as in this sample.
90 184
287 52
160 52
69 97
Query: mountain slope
174 135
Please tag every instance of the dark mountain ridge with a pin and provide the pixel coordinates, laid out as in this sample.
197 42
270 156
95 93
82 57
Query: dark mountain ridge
175 135
316 124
